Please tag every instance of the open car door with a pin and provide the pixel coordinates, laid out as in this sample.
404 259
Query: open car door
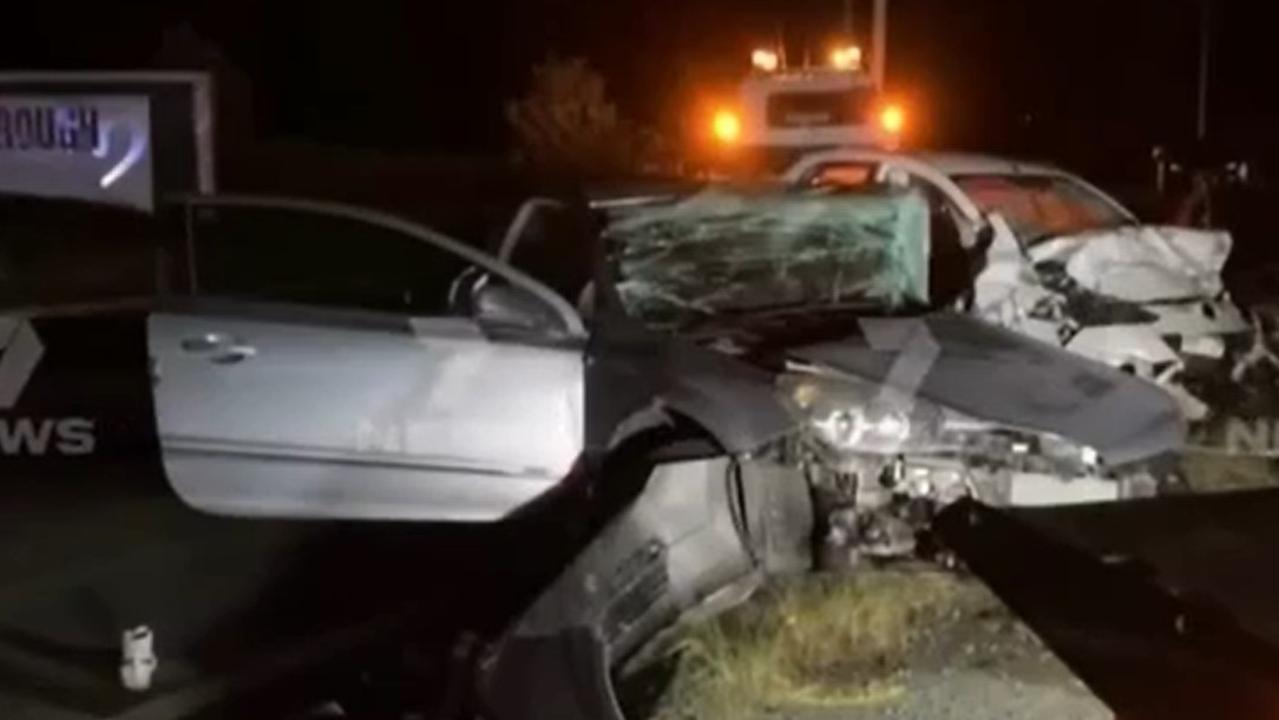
319 372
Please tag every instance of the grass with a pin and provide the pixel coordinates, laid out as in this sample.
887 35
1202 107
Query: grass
844 641
821 641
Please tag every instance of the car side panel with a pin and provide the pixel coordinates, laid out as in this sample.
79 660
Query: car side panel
426 421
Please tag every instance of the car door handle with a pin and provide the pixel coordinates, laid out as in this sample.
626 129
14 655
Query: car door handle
233 354
205 342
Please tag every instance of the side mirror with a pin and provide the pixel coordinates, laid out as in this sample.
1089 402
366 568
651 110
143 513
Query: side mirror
502 307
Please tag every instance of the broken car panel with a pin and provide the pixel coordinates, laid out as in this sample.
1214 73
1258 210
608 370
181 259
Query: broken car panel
900 410
723 252
826 298
1065 263
819 281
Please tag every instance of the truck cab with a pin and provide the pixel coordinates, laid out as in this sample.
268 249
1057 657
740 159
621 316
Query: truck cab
813 107
781 113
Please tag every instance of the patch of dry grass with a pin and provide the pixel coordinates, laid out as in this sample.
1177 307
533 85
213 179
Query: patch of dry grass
819 641
844 640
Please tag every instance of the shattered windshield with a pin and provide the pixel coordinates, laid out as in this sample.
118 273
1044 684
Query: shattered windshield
1039 207
733 252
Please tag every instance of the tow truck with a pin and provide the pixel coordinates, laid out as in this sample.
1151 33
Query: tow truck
782 111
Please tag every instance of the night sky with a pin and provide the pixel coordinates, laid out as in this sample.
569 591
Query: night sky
1086 81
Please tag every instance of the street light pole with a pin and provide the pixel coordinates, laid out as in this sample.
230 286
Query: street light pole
1205 54
879 48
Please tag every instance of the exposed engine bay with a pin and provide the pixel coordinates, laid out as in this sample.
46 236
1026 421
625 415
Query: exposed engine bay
881 466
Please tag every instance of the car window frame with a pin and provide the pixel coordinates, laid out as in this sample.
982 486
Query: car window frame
874 170
802 172
1080 183
573 327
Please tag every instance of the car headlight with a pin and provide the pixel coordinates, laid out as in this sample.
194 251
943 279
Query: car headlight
846 415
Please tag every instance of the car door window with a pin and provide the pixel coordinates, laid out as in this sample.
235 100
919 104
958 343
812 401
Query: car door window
844 176
1039 207
936 199
555 248
295 257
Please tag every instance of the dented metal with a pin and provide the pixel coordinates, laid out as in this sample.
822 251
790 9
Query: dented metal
1060 261
737 252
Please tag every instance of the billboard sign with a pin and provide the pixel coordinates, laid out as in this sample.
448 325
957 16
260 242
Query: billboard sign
87 147
119 138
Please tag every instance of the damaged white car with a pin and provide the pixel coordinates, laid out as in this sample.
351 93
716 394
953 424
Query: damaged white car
1052 256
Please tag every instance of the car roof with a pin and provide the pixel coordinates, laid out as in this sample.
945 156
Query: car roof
956 163
947 163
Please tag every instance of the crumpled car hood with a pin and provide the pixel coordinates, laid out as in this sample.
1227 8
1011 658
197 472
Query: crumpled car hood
998 375
1142 263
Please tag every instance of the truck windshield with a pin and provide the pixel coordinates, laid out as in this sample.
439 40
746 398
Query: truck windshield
730 252
1040 207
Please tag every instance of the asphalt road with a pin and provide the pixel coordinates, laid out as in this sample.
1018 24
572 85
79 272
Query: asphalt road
1167 607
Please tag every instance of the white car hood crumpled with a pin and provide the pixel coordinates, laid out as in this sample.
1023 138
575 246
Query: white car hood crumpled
1142 263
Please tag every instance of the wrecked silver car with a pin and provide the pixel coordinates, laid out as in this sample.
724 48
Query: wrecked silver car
864 413
902 409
